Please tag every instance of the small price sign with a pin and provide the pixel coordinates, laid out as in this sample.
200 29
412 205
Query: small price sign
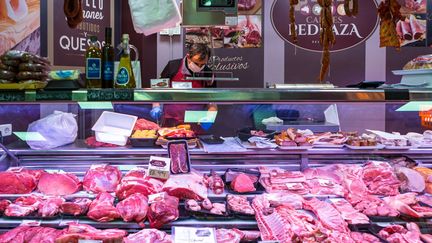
159 167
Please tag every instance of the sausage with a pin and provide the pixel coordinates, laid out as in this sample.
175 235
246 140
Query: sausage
416 29
7 75
406 30
399 30
71 8
32 67
8 68
207 204
327 37
389 13
31 75
293 3
348 11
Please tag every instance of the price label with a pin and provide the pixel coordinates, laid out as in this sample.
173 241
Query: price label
156 197
33 223
186 235
159 167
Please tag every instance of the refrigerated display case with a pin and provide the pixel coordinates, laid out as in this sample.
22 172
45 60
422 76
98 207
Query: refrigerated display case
352 110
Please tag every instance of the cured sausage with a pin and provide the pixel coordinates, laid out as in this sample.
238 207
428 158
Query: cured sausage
73 12
293 3
389 13
399 29
327 37
348 11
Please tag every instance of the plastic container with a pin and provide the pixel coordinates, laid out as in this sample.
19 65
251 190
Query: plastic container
143 142
114 128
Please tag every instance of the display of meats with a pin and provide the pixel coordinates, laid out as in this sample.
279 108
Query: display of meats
407 204
163 211
226 235
91 142
380 179
102 208
148 236
292 138
328 215
427 177
206 206
3 205
179 155
65 184
214 182
18 181
102 178
242 183
411 180
328 139
358 237
133 208
186 186
137 181
400 234
76 207
372 206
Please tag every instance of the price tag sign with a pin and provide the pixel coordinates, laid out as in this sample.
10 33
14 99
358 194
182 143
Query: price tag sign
187 235
181 85
90 241
159 83
159 167
156 197
32 223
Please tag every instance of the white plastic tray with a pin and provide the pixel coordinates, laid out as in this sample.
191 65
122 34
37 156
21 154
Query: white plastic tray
380 146
412 72
114 128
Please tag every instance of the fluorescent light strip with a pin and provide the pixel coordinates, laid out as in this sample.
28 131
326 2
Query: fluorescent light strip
416 106
96 105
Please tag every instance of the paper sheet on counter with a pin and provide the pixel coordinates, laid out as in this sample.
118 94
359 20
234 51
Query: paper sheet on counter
230 145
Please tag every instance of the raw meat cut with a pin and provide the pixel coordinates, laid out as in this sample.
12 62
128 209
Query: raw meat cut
325 187
427 176
3 205
380 179
408 204
18 181
372 206
179 157
27 234
325 172
163 211
348 213
50 207
288 199
186 186
143 124
242 183
398 234
411 180
102 178
248 236
77 207
253 174
245 5
102 208
136 181
278 180
58 184
133 208
426 199
364 238
240 204
23 206
148 236
328 215
286 224
91 142
227 236
215 182
77 232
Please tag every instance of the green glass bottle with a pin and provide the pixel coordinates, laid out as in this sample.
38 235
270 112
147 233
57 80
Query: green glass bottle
93 65
125 77
108 61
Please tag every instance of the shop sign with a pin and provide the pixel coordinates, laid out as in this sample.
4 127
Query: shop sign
349 31
66 46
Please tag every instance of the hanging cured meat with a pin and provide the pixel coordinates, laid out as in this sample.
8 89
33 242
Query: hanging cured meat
351 11
293 4
327 37
74 12
389 12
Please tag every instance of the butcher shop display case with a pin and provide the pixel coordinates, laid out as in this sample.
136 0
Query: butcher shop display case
103 164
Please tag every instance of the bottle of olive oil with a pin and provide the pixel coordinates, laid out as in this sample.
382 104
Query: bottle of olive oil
125 75
93 65
108 61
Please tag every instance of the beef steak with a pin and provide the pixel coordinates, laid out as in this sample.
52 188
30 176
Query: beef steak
102 208
133 208
58 184
102 178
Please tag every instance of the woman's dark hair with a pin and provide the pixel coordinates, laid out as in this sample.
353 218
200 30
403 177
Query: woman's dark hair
199 49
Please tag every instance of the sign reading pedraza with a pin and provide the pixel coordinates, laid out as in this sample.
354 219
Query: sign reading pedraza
349 31
69 45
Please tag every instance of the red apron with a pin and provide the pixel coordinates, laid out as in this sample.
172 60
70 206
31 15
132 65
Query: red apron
181 77
173 114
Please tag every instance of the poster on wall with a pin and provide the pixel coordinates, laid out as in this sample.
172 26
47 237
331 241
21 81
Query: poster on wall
66 46
20 25
412 31
237 50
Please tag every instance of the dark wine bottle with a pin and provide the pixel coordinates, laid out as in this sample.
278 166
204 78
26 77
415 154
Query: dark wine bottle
108 61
